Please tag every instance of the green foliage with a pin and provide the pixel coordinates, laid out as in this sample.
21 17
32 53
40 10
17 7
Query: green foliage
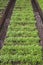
3 4
41 3
21 49
22 39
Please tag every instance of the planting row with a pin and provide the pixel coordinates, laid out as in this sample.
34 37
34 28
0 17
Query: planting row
20 53
21 45
22 28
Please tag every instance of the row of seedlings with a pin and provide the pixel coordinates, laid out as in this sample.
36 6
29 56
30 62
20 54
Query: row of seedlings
21 46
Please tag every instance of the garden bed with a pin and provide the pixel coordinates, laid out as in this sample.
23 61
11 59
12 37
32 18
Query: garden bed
21 46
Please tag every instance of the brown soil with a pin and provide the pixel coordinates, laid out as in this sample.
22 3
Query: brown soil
39 18
39 21
5 21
